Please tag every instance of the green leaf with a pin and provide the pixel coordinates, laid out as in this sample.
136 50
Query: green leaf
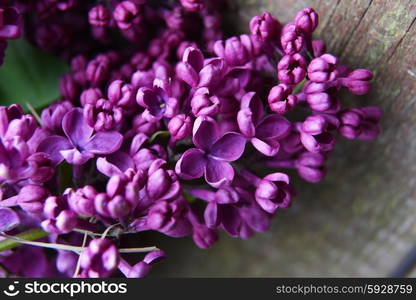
189 198
29 75
159 134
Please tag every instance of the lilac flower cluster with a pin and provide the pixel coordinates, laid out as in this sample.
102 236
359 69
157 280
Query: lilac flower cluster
165 126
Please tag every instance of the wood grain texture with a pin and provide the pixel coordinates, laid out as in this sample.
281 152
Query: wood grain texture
361 220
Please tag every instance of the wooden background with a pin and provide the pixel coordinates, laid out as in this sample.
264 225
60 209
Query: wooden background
361 221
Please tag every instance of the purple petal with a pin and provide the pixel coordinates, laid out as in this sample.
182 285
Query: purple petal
114 164
53 145
191 165
255 217
273 126
253 102
211 215
146 97
245 122
75 157
205 132
187 73
218 172
267 147
202 194
278 177
76 127
8 219
194 57
231 220
104 142
229 147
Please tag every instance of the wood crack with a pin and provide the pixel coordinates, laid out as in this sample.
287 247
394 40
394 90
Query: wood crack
355 29
398 43
330 17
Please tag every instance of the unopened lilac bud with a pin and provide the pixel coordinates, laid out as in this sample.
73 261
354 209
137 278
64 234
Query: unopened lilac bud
49 36
127 14
53 206
291 39
52 116
99 16
273 192
281 99
180 126
97 71
265 27
323 68
68 87
23 127
212 73
82 200
310 166
291 69
31 198
142 61
351 120
307 20
103 116
192 63
193 5
66 221
119 207
314 133
161 184
236 51
44 167
360 123
79 63
121 94
358 81
90 96
203 103
100 258
314 125
169 218
10 23
318 97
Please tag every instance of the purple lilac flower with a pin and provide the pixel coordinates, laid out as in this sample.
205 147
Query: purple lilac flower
281 100
79 144
99 259
213 154
291 69
265 27
291 39
273 192
142 268
315 135
157 101
262 131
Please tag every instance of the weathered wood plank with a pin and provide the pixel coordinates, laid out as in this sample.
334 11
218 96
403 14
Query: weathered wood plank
362 219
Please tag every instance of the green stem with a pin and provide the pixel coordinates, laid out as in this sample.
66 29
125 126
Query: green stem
16 239
30 235
299 87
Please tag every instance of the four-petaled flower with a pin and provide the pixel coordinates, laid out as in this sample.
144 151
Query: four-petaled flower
213 153
79 144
